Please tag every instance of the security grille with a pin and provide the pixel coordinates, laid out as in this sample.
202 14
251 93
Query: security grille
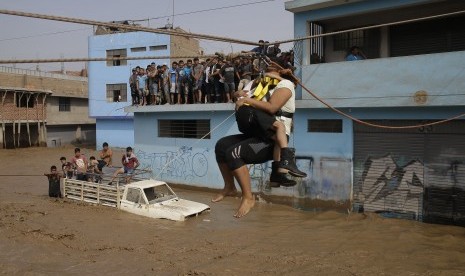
412 173
184 128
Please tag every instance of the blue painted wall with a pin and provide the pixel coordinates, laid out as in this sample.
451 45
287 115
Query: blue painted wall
387 82
100 74
117 133
326 157
113 124
180 160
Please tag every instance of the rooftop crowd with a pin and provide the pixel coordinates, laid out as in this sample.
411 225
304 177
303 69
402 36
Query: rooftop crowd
201 81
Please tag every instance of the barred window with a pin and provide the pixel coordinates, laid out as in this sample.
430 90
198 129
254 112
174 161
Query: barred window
139 49
330 126
184 128
117 92
64 104
115 54
368 40
158 47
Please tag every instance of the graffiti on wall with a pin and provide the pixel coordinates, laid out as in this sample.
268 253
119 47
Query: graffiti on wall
183 164
388 186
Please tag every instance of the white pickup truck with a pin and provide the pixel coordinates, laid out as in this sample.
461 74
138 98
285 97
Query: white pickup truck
150 198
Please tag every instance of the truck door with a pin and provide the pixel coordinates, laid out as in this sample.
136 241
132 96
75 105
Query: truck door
135 202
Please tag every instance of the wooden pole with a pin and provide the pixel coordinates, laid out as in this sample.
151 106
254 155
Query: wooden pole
3 144
39 133
27 119
19 118
44 115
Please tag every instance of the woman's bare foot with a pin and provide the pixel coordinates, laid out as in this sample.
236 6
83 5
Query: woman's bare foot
224 193
246 205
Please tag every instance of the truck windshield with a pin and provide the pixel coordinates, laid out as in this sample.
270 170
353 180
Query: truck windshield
158 194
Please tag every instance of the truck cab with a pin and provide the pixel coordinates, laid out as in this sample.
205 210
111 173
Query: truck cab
155 199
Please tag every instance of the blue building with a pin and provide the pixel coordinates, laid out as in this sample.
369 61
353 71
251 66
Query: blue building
413 75
109 90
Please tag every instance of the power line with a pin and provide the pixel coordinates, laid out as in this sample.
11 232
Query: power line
42 34
52 60
206 10
128 27
370 27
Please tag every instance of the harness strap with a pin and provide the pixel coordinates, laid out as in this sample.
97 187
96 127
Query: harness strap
263 87
285 114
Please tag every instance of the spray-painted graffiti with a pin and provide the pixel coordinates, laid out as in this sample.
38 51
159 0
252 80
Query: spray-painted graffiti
386 186
182 164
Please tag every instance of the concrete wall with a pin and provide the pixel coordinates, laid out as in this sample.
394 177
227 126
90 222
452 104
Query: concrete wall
100 74
66 86
184 46
179 160
78 114
117 133
326 157
387 82
60 135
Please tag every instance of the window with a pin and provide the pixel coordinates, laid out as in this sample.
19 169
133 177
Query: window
21 100
428 37
117 92
116 54
64 104
316 44
139 49
331 126
158 47
184 128
133 195
368 40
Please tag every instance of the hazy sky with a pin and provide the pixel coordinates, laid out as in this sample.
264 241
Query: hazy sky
23 38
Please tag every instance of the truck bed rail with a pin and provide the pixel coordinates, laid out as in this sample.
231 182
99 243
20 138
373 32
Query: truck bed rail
91 192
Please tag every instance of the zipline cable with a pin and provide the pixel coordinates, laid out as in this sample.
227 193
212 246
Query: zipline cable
368 27
100 59
127 27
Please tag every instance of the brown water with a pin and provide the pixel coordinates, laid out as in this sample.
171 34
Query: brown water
43 236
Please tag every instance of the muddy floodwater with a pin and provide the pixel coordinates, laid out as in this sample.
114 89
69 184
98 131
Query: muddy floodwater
44 236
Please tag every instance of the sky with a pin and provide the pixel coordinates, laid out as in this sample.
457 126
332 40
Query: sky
29 38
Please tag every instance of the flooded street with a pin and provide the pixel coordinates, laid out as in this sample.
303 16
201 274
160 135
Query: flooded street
44 236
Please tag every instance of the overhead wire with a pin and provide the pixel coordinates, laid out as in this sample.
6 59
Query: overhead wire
52 60
363 122
206 10
127 27
367 27
223 39
43 34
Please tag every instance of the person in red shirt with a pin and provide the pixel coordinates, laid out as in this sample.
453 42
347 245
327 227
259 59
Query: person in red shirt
130 163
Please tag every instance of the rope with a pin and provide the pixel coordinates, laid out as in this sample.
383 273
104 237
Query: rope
372 124
368 27
127 27
171 161
224 39
27 175
365 122
98 59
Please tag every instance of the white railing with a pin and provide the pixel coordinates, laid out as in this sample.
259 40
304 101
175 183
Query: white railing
96 193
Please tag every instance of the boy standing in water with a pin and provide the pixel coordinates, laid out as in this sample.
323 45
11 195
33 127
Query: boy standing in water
53 182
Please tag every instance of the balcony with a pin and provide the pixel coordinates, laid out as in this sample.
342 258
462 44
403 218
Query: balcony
409 81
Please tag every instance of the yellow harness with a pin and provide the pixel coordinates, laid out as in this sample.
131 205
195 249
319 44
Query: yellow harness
263 87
